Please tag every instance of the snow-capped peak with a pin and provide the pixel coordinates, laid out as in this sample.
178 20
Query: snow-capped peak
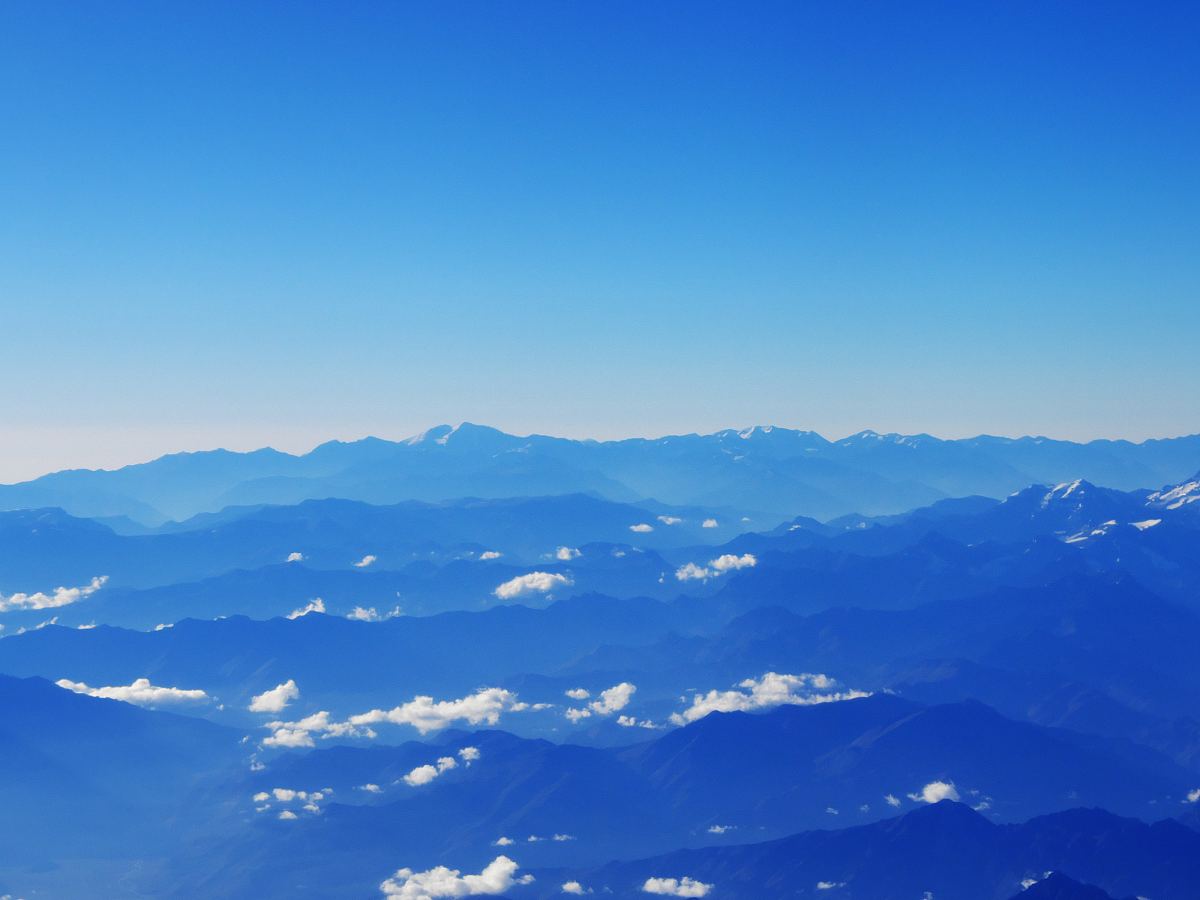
1177 496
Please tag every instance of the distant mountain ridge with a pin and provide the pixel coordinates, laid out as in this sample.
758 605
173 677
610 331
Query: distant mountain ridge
778 472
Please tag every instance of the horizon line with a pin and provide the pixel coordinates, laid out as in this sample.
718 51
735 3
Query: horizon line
748 430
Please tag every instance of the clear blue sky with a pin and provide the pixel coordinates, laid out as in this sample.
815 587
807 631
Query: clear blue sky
249 223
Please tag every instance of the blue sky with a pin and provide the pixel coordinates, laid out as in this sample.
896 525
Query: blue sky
274 223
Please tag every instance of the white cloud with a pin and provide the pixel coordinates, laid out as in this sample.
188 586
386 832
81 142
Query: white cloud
60 596
772 689
677 887
633 722
728 562
567 554
670 520
614 699
574 887
611 700
497 877
370 788
309 800
720 829
578 693
829 885
276 699
365 561
503 842
313 606
935 792
892 800
693 572
490 554
709 523
1194 796
533 583
425 774
295 556
425 714
140 693
469 754
371 614
300 732
641 528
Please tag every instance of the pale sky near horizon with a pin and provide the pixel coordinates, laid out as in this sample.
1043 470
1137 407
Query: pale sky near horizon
275 224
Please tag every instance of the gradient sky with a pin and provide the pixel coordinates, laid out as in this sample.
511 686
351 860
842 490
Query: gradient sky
277 223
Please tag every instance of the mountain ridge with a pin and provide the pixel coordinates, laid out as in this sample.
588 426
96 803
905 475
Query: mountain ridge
779 471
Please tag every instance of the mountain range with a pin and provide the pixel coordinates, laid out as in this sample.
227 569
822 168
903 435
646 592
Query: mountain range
761 472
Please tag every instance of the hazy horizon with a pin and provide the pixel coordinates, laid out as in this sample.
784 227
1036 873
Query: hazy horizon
300 446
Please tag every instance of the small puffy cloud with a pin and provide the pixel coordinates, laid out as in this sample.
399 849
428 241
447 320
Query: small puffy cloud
692 572
677 887
610 701
497 877
425 714
935 792
309 800
892 800
140 693
370 788
503 842
709 523
313 606
371 614
633 722
533 583
578 693
566 554
829 885
365 561
421 775
425 774
60 596
772 689
720 829
300 732
641 528
490 554
1194 796
574 887
295 556
729 562
670 520
614 699
287 815
276 699
469 754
